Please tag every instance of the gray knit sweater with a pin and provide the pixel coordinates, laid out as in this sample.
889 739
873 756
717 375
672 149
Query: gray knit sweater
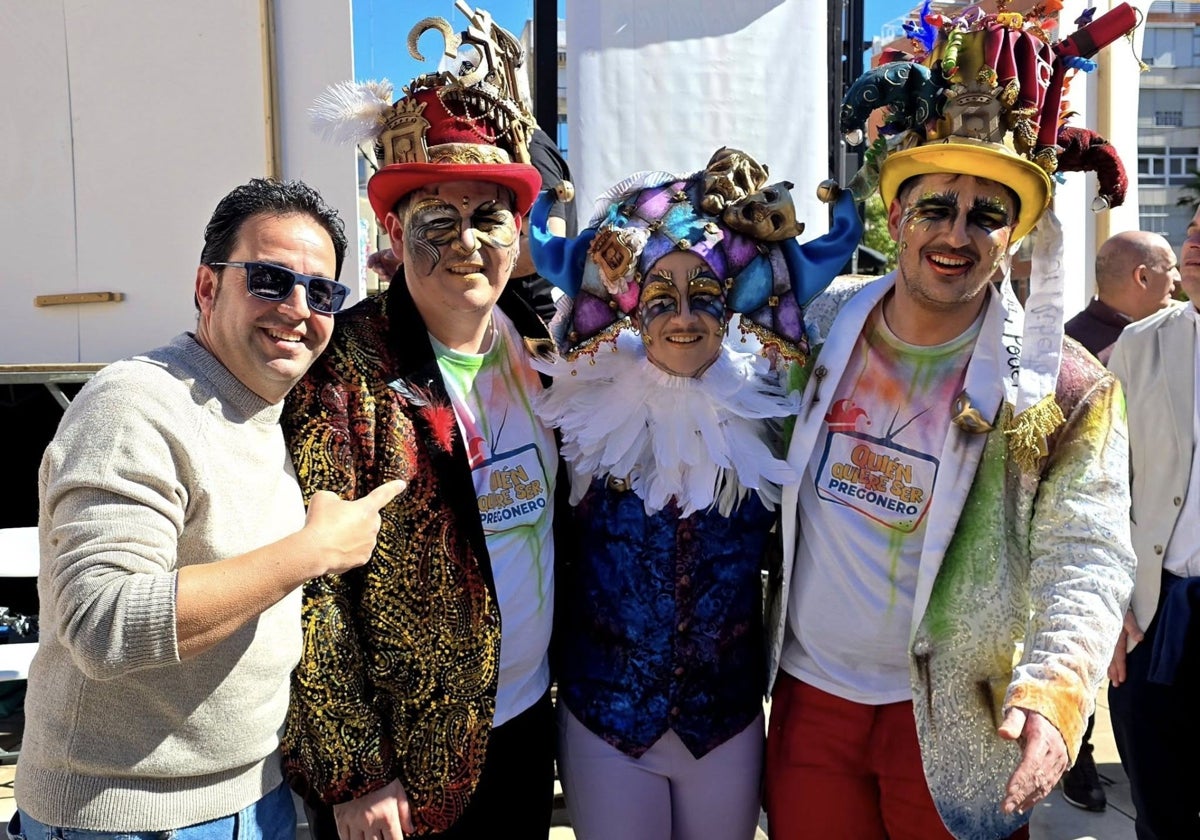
162 461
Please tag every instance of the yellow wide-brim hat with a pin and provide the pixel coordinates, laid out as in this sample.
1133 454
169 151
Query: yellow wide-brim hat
966 156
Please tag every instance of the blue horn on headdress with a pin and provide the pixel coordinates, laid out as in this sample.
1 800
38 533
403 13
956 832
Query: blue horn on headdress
559 259
909 89
814 264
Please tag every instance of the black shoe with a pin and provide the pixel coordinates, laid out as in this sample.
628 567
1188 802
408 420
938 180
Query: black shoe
1081 784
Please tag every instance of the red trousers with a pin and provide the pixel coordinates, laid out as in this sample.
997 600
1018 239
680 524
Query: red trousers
839 770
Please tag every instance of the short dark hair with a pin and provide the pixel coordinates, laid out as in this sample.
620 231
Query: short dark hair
267 196
402 205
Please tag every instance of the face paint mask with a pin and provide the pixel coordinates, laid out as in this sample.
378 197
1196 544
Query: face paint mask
436 228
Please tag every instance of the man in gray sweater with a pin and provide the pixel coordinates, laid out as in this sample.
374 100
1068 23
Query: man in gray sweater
174 540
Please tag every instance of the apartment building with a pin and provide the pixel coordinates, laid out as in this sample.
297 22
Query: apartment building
1169 119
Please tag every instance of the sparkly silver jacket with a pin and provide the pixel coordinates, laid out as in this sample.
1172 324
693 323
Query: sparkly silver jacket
1025 574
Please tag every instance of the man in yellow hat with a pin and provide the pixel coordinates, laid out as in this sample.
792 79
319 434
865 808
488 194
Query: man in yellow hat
421 702
956 553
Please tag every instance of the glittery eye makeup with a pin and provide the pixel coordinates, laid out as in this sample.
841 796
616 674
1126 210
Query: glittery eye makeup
929 209
704 295
435 225
990 213
660 295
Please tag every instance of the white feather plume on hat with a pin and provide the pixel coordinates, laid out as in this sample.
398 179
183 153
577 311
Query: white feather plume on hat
352 112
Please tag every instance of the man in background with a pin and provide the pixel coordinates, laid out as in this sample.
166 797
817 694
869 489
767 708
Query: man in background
1136 275
1154 677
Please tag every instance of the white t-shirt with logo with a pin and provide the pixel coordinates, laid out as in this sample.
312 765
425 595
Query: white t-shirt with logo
863 503
513 462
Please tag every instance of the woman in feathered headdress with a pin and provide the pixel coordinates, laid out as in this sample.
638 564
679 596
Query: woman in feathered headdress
670 395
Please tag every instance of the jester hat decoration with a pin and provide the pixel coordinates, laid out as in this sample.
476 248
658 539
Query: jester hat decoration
447 127
984 96
744 228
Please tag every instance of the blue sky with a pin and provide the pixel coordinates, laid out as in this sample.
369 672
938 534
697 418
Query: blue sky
381 30
381 33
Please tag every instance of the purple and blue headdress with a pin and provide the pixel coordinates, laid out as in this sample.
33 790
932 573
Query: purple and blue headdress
727 214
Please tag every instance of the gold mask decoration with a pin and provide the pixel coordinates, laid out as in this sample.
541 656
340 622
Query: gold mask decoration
967 417
768 215
485 89
730 176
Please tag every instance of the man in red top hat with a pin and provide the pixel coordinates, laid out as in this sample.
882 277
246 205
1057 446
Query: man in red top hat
421 703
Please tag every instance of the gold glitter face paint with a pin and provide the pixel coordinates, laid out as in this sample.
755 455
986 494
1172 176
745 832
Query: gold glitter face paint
435 229
997 254
988 213
681 314
658 297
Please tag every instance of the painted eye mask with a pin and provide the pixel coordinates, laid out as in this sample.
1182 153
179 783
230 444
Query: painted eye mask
661 296
438 223
987 214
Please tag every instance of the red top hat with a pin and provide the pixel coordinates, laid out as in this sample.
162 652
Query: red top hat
452 134
469 126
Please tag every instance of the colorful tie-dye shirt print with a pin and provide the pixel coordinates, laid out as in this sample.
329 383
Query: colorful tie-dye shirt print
863 505
513 463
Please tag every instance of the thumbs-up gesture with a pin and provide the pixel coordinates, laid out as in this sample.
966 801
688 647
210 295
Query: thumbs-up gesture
343 533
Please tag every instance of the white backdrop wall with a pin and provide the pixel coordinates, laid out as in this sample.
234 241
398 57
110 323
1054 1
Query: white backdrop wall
662 84
123 125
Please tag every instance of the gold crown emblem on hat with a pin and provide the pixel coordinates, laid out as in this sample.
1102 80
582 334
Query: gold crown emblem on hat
402 139
480 97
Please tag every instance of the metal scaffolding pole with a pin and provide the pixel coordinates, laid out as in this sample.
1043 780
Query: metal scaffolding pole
545 65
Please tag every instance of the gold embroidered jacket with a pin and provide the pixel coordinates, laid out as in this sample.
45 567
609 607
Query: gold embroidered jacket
398 674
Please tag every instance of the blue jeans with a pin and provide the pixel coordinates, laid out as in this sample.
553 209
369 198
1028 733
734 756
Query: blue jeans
271 818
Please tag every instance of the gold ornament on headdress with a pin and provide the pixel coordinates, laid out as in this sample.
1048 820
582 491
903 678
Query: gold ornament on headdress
730 176
489 91
613 254
403 137
470 153
363 112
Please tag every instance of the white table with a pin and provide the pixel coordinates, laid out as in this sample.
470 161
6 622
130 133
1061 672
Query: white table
18 559
19 552
15 659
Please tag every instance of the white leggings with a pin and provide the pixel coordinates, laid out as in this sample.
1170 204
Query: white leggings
664 795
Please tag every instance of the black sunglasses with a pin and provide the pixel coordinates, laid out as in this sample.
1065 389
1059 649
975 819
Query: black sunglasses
274 282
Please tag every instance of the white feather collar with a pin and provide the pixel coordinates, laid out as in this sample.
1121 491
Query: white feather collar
697 441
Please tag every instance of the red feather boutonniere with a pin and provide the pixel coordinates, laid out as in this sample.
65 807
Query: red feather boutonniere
438 415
